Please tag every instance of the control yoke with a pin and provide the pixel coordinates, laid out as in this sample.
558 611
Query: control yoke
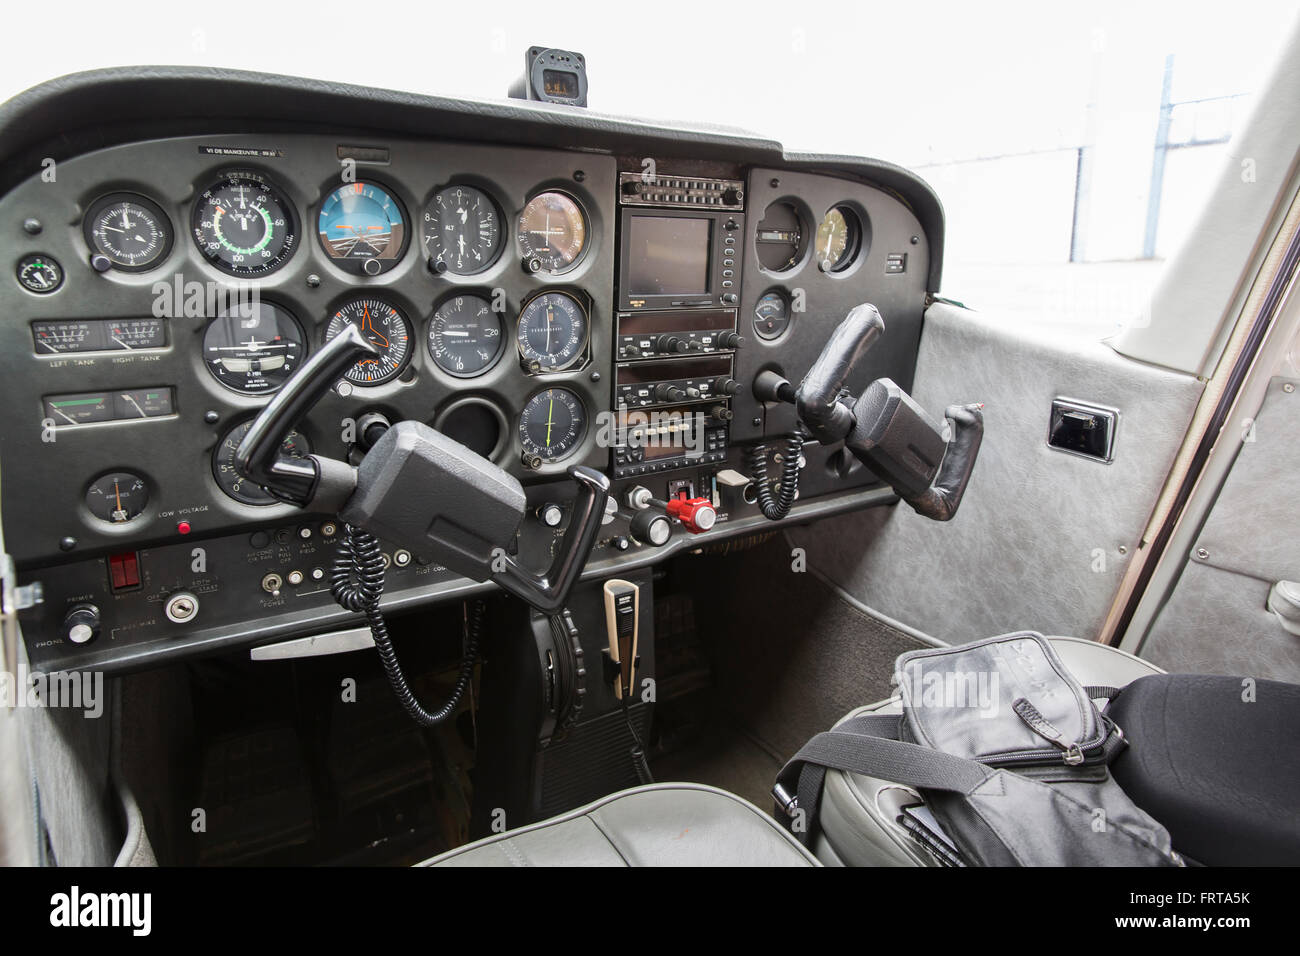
417 488
885 428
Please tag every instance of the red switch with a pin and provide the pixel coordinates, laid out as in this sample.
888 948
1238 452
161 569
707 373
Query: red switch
124 570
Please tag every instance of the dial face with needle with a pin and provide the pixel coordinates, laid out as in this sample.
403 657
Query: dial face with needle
553 232
462 231
552 332
254 349
837 240
117 497
131 231
244 225
383 327
552 425
466 336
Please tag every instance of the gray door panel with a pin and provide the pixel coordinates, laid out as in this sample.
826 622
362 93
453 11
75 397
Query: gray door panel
1036 541
1217 620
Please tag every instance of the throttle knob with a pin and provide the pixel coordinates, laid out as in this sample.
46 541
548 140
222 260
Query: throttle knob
651 527
697 515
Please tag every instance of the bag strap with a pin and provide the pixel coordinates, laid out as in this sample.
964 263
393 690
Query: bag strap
868 745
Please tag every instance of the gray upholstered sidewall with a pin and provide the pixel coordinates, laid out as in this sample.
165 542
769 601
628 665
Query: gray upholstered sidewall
1035 544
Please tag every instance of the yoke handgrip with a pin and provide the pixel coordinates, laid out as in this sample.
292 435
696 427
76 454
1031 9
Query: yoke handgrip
941 499
817 401
548 592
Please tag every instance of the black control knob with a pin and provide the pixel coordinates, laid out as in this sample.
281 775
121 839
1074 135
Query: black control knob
665 392
724 385
632 187
729 340
670 344
721 412
81 623
651 526
730 298
370 428
731 195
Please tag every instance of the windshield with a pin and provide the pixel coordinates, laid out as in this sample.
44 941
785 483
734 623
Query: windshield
1071 145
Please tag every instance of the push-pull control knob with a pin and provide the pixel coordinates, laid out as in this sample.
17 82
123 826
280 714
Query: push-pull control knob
724 385
669 393
670 344
729 340
550 514
697 515
81 623
651 526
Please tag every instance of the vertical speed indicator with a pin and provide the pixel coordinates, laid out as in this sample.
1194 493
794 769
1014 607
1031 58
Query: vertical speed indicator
383 327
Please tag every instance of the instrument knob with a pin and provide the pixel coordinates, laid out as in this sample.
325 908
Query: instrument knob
670 344
665 392
81 623
725 385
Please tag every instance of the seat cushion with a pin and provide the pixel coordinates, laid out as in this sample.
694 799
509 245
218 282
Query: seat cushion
858 813
1221 773
667 824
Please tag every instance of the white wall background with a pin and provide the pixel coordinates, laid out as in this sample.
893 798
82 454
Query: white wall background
922 84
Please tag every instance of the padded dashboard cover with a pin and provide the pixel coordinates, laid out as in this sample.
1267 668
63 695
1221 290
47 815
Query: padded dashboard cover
81 112
1219 770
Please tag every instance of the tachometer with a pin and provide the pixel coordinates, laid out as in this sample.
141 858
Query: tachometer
254 350
362 228
236 485
385 328
244 225
552 425
552 233
462 231
466 336
552 332
132 232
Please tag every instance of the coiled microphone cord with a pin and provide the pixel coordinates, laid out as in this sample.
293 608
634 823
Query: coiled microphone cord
357 583
774 509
